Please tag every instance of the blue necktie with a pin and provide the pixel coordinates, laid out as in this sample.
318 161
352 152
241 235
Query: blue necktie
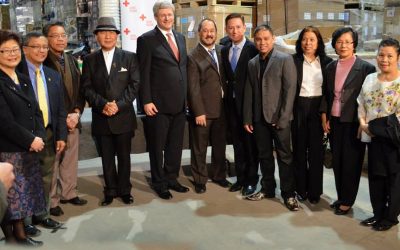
234 58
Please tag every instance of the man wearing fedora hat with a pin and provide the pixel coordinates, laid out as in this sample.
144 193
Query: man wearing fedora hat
110 79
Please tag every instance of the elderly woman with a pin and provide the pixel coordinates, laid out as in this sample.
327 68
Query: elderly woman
21 133
379 104
342 84
310 60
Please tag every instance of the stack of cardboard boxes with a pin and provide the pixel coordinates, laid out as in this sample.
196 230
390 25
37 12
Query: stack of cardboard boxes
391 20
5 17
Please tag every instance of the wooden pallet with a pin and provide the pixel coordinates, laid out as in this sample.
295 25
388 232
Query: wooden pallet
197 3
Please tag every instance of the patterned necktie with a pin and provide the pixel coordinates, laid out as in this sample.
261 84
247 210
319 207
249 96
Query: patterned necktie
234 58
211 52
41 95
173 46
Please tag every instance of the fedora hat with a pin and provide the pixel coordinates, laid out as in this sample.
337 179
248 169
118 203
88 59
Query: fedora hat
106 23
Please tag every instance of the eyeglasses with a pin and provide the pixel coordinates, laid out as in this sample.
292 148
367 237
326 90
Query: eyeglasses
347 43
8 52
58 36
37 47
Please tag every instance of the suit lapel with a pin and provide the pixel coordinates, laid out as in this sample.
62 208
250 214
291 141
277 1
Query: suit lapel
180 45
270 62
164 43
11 85
206 56
115 65
50 86
101 64
354 72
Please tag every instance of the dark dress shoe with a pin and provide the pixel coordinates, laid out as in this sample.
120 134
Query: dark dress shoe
379 226
56 211
200 188
248 190
314 200
29 242
107 200
50 223
164 194
177 187
235 187
335 204
127 199
300 197
339 211
222 183
368 222
32 231
74 201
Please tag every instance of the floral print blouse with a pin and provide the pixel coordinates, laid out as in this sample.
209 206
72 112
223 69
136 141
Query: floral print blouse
378 99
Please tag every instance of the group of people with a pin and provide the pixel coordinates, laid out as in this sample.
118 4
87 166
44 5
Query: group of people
262 99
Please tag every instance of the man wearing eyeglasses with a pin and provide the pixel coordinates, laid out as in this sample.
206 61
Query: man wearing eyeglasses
66 164
49 93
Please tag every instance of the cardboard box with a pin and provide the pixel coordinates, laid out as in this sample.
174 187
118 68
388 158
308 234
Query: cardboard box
187 20
392 22
368 23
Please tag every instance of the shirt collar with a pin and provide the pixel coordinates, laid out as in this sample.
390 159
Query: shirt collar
165 32
32 67
308 60
207 49
110 52
241 44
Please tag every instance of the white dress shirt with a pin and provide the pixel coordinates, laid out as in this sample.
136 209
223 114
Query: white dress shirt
108 58
312 78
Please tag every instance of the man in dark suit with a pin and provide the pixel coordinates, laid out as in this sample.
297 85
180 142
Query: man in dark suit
110 79
268 110
206 88
66 164
235 57
163 62
47 85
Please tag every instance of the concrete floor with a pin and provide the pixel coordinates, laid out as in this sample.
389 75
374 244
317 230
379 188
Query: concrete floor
216 220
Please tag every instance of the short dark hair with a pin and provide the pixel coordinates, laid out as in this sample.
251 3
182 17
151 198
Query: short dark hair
340 31
261 27
31 35
48 26
206 19
233 15
321 46
7 35
390 42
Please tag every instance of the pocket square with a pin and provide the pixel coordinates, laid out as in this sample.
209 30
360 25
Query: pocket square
122 69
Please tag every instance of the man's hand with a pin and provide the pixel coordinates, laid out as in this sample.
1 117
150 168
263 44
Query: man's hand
6 174
201 120
37 145
72 121
249 128
150 109
60 146
110 108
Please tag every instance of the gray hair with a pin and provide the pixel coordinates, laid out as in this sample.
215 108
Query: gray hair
163 5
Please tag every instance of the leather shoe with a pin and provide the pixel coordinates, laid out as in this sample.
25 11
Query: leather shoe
335 204
382 226
74 201
235 187
127 199
300 197
107 200
29 242
368 222
200 188
56 211
164 194
222 183
50 223
339 211
314 200
32 231
248 190
177 187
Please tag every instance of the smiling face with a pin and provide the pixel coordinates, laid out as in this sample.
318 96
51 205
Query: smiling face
10 55
165 19
387 59
235 29
57 39
309 43
208 34
107 39
37 49
264 41
344 46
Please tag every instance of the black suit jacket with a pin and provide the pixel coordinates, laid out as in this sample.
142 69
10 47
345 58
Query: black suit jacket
21 119
120 85
351 89
205 83
237 80
163 78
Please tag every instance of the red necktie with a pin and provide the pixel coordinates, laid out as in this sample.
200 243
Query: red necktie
173 46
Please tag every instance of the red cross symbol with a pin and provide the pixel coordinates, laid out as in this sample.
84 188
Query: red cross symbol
126 3
126 31
142 17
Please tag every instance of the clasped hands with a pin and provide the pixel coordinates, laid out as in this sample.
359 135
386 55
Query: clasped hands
110 108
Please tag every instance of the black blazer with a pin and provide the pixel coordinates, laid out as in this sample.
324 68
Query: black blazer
237 80
163 78
351 89
21 119
120 85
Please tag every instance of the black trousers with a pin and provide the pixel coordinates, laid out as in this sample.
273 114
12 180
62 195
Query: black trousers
164 135
215 135
244 147
266 137
347 159
307 147
384 188
117 181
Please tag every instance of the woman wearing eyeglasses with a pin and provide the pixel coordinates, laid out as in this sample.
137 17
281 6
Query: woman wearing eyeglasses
342 84
21 133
